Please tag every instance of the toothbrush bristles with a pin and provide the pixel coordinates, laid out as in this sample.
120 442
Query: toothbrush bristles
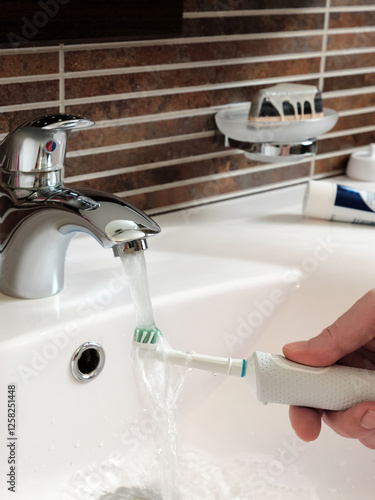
147 335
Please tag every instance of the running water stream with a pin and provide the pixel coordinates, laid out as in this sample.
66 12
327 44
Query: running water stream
159 383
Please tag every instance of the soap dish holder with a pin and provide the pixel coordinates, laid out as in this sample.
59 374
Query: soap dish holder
277 141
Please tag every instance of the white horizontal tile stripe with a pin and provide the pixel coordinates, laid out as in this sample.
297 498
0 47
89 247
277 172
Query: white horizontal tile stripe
192 40
360 111
168 115
353 131
177 184
192 65
353 8
28 50
28 106
351 51
348 92
204 178
335 154
195 204
192 88
274 12
29 78
352 29
254 12
140 144
350 72
153 165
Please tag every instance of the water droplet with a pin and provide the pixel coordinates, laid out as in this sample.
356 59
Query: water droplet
101 444
77 444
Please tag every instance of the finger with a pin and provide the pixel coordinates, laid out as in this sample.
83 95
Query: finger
357 423
355 328
362 358
306 422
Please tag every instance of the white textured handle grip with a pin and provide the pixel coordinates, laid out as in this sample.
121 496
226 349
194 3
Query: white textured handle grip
335 387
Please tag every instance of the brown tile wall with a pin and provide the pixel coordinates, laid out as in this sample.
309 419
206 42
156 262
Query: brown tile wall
155 141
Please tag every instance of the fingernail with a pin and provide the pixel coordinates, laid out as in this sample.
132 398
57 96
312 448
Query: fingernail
301 345
368 420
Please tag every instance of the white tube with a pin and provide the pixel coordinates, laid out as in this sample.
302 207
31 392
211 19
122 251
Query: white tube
326 200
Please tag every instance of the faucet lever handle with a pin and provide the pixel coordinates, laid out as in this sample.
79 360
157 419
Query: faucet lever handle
32 156
59 121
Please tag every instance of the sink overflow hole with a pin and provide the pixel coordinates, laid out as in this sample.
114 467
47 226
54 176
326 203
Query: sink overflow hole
87 361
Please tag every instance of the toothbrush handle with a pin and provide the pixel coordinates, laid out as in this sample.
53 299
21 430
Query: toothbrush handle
335 387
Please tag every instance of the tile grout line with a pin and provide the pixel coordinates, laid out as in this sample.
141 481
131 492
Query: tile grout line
324 45
225 196
323 62
153 165
62 78
123 146
253 12
276 11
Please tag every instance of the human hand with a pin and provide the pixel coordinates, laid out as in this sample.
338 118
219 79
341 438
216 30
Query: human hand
350 341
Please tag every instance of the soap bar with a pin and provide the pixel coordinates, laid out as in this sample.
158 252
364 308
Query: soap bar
287 101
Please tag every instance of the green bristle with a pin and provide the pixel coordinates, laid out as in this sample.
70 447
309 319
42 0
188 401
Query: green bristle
147 335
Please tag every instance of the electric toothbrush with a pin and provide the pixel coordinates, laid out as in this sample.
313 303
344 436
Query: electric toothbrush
274 378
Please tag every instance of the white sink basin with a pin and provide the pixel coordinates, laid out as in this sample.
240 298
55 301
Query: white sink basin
225 280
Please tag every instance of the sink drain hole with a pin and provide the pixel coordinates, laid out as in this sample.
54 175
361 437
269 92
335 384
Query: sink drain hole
87 361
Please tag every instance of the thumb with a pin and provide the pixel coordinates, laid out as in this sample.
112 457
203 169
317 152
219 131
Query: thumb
357 423
355 328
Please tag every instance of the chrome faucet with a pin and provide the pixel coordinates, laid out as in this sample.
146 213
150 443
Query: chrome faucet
39 215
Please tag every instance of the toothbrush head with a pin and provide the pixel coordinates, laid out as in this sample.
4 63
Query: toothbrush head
147 337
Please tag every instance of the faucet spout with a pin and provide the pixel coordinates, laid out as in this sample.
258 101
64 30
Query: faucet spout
36 232
39 217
